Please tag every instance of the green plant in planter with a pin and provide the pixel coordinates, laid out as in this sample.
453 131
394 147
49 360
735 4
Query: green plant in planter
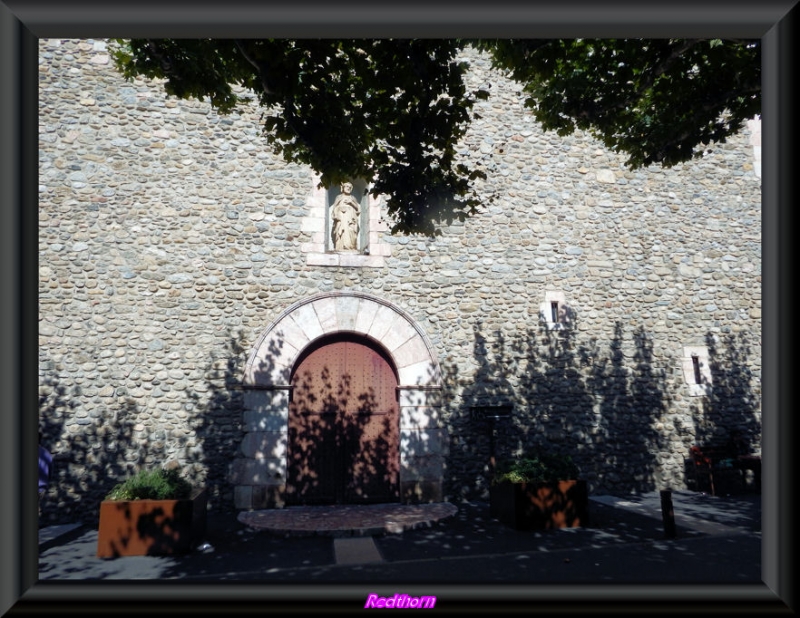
156 484
536 468
537 491
153 512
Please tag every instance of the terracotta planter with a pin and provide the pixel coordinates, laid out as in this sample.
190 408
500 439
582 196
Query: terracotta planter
151 527
530 506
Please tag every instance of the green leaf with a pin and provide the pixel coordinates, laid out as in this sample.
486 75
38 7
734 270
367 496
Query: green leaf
155 484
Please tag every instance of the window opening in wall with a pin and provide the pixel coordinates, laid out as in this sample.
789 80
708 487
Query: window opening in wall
696 366
554 311
697 370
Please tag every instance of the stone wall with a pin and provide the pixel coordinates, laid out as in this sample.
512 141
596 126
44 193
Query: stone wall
170 239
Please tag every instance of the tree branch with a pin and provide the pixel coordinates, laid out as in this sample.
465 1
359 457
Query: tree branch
260 67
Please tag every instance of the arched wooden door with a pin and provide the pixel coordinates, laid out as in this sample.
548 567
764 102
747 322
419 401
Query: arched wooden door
343 427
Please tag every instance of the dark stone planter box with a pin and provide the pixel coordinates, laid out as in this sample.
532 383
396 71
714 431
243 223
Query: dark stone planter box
531 506
151 527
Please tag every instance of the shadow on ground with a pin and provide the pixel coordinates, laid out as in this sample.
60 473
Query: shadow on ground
618 544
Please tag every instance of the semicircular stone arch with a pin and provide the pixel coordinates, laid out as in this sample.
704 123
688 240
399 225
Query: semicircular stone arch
258 473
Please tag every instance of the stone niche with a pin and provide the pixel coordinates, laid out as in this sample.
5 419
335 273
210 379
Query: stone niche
372 251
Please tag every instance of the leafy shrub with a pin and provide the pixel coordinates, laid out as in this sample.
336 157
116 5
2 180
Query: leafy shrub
536 468
157 484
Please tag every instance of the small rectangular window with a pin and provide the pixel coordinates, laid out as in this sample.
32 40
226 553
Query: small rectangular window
554 311
696 366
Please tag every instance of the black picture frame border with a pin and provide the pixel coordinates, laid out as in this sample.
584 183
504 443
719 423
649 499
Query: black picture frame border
23 22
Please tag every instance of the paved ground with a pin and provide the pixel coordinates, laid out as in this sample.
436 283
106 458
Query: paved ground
717 542
705 525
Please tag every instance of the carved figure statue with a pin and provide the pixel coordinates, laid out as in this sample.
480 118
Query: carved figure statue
345 213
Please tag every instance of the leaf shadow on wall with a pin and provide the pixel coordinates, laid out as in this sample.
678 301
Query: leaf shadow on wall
608 405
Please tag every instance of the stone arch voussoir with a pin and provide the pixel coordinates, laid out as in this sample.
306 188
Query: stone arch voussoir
273 357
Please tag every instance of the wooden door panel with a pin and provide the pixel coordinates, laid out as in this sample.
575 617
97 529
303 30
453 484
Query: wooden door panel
372 429
343 427
314 452
315 455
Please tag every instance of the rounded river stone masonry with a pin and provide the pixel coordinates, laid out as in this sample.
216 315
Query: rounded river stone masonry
586 297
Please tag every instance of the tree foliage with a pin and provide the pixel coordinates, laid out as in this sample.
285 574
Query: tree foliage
392 111
388 111
658 100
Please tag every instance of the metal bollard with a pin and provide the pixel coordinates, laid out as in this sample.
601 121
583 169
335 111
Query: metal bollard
667 514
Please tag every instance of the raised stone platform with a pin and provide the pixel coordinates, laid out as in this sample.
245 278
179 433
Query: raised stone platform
347 520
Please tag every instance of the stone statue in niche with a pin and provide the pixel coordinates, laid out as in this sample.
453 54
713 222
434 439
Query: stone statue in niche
345 214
